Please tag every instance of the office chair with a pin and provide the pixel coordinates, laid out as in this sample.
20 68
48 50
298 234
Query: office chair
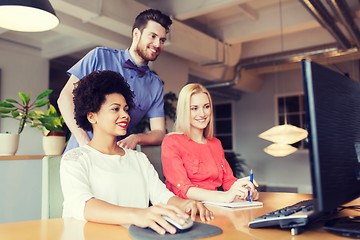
153 153
52 198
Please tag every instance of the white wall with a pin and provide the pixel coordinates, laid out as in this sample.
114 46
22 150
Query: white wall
22 70
254 114
174 71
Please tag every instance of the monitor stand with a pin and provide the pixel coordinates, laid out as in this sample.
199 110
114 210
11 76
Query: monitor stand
344 226
297 230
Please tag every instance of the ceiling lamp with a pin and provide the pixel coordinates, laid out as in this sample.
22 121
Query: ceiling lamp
280 149
285 134
27 15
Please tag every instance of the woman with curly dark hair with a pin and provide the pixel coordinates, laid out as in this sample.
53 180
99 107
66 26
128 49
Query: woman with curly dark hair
103 182
97 85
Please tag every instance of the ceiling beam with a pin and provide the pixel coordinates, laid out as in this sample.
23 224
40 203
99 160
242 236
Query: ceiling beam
114 15
246 30
186 9
248 11
89 33
64 45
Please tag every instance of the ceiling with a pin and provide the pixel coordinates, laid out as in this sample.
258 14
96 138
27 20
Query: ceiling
217 37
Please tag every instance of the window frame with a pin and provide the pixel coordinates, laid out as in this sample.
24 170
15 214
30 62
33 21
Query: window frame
232 106
301 148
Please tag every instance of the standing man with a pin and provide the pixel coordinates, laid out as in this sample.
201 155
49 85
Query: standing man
148 37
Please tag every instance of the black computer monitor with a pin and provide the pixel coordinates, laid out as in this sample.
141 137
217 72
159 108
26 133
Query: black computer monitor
332 103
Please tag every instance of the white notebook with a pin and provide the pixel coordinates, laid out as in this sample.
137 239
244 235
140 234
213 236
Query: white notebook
236 204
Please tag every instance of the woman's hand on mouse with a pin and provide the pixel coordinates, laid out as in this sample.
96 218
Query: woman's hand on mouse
152 217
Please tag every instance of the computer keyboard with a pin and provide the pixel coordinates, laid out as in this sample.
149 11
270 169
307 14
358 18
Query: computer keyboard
295 215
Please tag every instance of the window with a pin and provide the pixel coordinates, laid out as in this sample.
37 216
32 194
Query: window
223 126
291 108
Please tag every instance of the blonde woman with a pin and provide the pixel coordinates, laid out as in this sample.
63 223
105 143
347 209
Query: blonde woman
193 159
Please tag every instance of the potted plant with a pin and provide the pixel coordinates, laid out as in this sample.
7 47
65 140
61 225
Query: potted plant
51 125
22 111
9 143
169 111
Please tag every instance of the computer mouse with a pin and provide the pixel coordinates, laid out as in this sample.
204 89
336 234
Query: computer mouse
180 228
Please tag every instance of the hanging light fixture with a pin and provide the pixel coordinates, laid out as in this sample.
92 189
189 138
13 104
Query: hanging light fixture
279 149
27 15
283 135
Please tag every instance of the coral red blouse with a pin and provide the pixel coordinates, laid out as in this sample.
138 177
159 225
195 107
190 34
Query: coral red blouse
190 164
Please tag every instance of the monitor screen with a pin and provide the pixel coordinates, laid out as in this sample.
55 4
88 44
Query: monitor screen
332 103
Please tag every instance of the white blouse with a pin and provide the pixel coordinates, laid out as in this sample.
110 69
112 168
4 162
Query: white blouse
128 181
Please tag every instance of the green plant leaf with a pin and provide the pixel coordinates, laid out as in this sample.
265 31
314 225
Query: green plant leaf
37 112
7 105
58 121
44 94
41 103
5 110
11 100
45 131
51 111
4 116
55 129
22 124
15 114
46 119
23 98
35 115
28 97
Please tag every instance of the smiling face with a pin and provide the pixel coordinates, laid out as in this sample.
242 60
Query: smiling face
150 41
113 116
200 111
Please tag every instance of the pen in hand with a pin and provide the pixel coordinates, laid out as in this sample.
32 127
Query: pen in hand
252 181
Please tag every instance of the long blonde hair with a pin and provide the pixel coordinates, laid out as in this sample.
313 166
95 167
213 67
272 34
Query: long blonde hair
182 122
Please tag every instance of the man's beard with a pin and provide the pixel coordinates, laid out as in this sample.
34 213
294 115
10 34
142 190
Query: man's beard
142 52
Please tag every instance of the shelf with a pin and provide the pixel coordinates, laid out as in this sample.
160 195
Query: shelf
21 157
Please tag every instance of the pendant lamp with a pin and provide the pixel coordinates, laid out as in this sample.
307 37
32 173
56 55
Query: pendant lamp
280 149
27 15
285 134
282 135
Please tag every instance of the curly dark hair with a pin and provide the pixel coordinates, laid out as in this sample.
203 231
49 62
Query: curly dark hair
152 14
90 92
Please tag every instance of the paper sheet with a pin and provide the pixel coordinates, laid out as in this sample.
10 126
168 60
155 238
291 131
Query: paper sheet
236 204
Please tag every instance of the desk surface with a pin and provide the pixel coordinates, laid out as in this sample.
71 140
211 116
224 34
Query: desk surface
233 222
